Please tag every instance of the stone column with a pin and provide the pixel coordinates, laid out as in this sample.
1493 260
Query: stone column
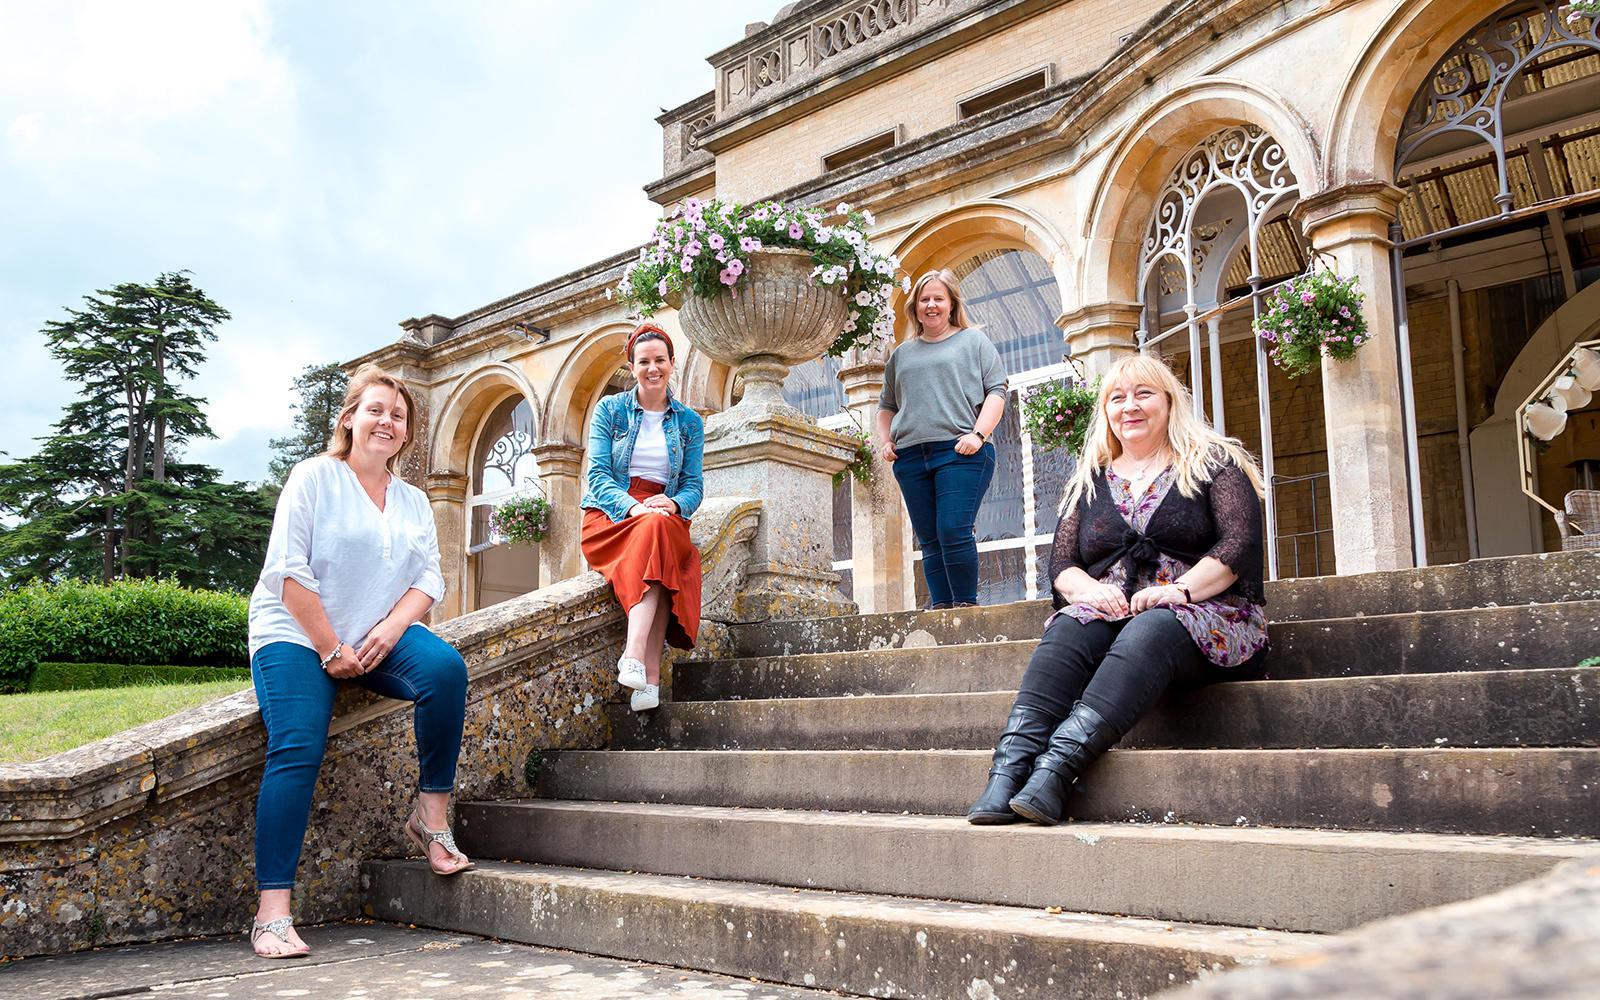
880 530
560 557
447 495
1361 399
1100 333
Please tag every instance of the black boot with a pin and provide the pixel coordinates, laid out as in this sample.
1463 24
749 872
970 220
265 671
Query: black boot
1075 744
1024 738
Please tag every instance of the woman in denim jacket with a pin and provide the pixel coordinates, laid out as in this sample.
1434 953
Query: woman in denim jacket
644 484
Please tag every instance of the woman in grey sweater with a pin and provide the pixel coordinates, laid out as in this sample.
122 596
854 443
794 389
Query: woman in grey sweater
944 391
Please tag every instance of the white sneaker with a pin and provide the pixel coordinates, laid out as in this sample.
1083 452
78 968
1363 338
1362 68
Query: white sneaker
645 698
630 673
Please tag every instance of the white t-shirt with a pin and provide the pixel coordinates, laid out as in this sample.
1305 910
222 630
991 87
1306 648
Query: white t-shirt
329 537
649 459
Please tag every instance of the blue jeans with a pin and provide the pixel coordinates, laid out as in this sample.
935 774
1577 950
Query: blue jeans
296 701
942 490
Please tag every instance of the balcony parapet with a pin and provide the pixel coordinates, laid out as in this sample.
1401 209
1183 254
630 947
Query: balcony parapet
681 129
825 50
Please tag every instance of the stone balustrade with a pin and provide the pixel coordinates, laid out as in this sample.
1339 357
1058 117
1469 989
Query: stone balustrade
150 834
813 38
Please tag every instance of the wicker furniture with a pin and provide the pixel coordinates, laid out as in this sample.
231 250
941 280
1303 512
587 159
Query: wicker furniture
1580 525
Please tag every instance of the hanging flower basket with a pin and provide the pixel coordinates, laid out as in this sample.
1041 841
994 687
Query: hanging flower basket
706 251
1057 414
522 520
1311 315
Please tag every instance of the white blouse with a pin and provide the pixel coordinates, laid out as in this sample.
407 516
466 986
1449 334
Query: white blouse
649 460
329 537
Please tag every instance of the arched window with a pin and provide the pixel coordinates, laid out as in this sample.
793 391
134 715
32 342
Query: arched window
503 467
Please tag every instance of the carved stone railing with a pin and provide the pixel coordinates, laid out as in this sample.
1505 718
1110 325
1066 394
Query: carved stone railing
681 129
150 834
814 38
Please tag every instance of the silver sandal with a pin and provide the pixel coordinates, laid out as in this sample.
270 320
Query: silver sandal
424 838
278 928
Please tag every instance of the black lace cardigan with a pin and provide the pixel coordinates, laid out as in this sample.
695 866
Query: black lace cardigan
1222 521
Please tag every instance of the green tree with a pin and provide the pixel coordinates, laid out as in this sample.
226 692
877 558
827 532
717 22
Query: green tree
321 389
108 494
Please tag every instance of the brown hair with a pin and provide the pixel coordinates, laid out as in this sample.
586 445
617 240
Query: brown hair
649 331
366 377
958 314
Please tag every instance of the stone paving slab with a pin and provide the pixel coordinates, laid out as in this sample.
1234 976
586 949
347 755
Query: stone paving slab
367 961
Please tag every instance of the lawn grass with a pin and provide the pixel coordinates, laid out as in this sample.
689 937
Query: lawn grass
39 724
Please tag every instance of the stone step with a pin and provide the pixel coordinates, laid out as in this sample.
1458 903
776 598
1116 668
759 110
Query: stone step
1550 578
870 945
1492 708
1299 880
1535 636
1509 638
1541 792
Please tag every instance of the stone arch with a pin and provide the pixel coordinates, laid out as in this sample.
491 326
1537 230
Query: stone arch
949 237
1142 160
585 370
1395 63
467 406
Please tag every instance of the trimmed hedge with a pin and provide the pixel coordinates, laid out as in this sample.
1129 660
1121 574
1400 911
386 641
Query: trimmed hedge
83 676
128 622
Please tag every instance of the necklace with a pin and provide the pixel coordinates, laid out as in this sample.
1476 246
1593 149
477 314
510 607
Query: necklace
1139 474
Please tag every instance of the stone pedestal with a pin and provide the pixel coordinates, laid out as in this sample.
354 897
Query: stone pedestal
447 495
1361 397
765 448
881 537
1100 333
560 557
779 455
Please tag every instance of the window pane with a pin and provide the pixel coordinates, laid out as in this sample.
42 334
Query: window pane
842 519
1012 295
1000 576
1001 514
505 450
814 387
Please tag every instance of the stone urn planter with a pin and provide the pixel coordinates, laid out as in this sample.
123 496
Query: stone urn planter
763 447
779 317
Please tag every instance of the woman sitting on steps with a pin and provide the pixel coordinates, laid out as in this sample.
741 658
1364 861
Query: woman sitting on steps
1157 580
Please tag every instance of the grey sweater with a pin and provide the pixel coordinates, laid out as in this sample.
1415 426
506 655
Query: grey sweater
936 390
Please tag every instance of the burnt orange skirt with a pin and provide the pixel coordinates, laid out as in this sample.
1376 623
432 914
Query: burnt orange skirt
635 552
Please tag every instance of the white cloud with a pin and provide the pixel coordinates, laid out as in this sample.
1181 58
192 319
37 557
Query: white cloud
24 130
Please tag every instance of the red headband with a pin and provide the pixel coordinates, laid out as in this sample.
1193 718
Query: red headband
645 328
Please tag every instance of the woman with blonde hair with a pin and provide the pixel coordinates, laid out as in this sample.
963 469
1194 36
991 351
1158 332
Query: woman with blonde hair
1156 576
352 566
944 391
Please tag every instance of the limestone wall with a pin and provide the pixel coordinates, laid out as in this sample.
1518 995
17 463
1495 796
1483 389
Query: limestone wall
150 834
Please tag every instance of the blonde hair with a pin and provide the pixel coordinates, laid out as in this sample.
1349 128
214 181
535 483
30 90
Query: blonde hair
366 377
1199 450
958 313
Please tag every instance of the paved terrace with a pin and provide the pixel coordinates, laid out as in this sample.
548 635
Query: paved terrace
364 960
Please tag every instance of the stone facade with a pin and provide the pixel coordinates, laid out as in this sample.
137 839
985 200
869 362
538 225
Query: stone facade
1052 129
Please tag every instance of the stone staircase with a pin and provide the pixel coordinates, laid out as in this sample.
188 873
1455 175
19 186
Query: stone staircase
793 814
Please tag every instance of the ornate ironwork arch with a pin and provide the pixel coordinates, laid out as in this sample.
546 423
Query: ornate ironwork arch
1467 89
1243 158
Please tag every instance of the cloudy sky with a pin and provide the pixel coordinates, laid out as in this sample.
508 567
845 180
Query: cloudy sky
325 169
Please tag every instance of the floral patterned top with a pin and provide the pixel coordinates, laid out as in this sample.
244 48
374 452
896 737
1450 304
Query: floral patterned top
1228 628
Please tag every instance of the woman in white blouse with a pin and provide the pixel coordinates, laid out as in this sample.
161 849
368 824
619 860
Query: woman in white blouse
352 566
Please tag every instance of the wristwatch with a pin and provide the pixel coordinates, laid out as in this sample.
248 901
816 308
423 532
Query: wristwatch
981 435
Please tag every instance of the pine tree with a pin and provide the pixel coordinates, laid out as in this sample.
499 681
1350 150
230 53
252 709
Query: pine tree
321 389
108 494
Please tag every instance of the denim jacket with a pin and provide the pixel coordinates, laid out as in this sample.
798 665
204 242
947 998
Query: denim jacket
611 436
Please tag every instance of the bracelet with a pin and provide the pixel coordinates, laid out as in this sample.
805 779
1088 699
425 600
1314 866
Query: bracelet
336 654
1187 597
980 435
